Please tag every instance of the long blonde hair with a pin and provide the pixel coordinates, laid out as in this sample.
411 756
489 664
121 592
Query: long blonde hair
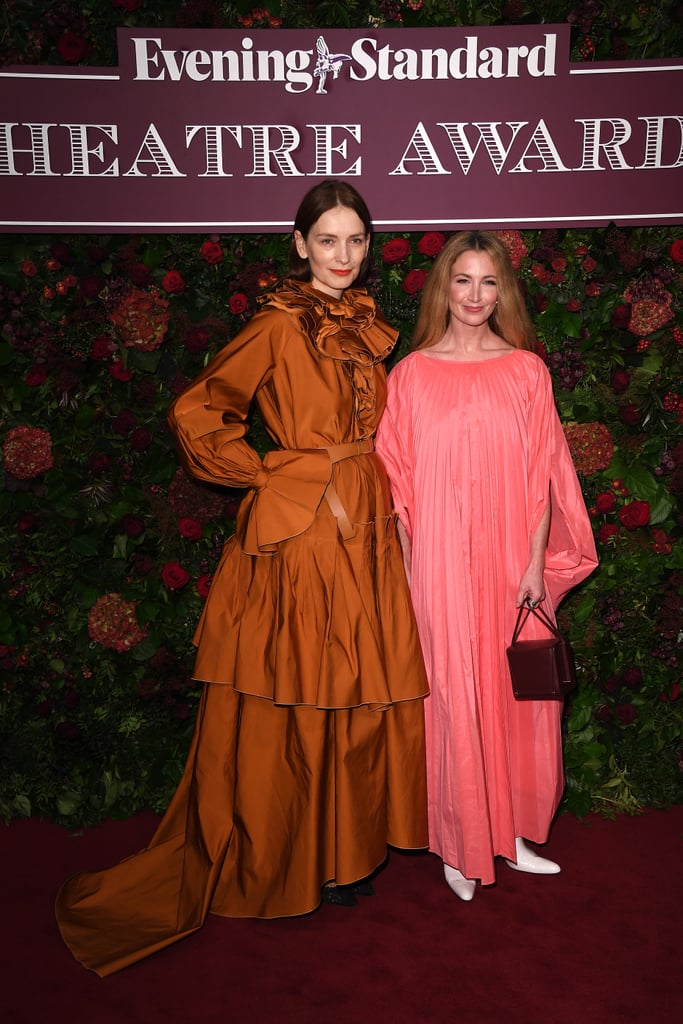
510 319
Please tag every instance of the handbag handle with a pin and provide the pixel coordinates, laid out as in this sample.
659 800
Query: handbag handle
525 610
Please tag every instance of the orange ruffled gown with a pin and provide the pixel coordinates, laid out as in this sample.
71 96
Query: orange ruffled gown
308 754
472 450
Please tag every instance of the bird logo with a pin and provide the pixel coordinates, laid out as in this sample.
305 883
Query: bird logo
327 62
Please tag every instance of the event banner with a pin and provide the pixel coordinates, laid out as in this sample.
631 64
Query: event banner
223 131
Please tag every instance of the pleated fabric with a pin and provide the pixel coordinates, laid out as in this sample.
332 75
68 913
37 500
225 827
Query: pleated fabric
474 451
308 756
273 803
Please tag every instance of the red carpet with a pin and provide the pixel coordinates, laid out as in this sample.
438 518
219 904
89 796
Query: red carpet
598 944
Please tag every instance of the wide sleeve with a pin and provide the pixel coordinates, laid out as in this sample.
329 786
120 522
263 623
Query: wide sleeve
209 420
393 444
570 555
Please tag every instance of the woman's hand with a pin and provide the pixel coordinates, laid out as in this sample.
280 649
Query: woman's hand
531 587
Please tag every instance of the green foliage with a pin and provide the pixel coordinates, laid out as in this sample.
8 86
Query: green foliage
33 33
96 700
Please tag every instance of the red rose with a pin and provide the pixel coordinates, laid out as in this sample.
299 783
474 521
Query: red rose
414 281
621 316
676 250
91 286
179 383
620 381
606 531
573 305
173 282
630 414
132 526
396 250
102 347
174 576
27 522
139 274
28 268
190 529
203 585
635 514
212 252
119 371
62 252
238 302
96 254
36 376
431 243
605 502
72 47
541 273
196 340
140 439
611 684
632 677
123 423
589 264
626 713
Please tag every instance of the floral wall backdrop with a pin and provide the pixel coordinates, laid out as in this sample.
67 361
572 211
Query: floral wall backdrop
108 547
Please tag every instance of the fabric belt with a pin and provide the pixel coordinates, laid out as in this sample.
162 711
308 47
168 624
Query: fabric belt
288 490
337 453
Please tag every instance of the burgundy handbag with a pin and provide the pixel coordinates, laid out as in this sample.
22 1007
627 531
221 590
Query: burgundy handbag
540 669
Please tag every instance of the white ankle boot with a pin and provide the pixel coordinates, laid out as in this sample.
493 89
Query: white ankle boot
461 886
531 862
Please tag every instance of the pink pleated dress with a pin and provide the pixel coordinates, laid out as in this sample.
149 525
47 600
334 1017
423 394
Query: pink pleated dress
473 451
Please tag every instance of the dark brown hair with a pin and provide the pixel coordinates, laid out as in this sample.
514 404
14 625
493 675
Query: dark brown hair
323 197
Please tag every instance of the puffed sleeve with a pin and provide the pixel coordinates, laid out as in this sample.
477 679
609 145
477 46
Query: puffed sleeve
570 555
393 444
209 420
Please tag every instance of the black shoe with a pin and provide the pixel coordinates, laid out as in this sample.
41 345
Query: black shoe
340 895
362 888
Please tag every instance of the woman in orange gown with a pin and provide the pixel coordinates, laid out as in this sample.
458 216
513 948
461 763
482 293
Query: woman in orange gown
492 516
308 753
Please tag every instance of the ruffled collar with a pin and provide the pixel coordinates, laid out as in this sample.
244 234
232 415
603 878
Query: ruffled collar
347 329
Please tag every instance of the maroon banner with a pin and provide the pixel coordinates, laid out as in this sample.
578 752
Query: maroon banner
224 131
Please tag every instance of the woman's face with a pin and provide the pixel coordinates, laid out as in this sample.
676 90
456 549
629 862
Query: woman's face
335 247
473 288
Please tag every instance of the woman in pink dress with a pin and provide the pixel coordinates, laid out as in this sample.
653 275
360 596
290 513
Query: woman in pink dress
491 516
